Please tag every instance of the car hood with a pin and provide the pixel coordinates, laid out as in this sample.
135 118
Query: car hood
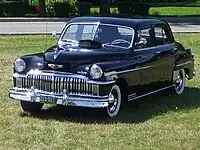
62 55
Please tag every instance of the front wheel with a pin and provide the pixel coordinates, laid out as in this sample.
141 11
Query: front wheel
115 98
179 79
31 107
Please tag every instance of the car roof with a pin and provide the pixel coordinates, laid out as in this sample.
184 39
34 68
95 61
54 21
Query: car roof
135 22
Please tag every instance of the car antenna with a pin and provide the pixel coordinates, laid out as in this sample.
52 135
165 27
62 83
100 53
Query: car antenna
46 36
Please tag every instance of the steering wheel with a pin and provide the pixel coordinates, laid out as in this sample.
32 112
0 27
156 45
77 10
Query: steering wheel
120 41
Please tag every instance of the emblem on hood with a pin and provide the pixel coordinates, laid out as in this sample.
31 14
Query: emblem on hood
55 66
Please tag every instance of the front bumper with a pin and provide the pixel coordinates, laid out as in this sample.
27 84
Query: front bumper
33 95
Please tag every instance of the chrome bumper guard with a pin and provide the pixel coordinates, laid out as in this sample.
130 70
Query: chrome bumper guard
34 95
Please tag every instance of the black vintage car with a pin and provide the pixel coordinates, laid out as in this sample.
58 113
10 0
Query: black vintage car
102 62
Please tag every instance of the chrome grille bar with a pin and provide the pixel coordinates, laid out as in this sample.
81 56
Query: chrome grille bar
57 84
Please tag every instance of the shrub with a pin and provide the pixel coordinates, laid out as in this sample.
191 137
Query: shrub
152 1
64 9
50 10
14 8
133 8
84 8
32 9
2 9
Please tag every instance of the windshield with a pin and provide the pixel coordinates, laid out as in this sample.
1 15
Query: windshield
108 35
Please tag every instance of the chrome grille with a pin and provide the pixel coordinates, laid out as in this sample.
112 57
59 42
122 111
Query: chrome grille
57 84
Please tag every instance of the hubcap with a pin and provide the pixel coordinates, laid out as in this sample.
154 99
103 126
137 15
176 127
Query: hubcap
113 102
179 81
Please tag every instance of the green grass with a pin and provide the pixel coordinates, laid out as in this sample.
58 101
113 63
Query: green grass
156 122
95 10
175 11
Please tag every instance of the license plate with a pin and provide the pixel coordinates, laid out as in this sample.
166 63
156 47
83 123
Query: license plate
48 99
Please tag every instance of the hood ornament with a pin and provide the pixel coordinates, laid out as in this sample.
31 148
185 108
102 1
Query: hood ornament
56 53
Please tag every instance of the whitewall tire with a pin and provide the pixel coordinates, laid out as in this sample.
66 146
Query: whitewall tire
179 81
115 100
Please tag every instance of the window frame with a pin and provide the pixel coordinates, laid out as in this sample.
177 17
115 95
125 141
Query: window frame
167 33
137 36
98 23
166 29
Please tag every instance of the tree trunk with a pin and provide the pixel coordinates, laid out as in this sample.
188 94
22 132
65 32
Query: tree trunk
104 7
42 8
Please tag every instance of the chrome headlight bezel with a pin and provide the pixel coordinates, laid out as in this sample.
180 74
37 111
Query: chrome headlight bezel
19 65
96 72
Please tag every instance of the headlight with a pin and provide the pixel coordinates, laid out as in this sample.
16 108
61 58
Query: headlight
96 72
19 65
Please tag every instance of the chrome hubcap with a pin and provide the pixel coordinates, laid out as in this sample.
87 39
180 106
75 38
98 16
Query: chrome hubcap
179 81
113 101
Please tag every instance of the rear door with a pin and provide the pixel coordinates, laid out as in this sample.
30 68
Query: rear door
149 61
165 51
157 59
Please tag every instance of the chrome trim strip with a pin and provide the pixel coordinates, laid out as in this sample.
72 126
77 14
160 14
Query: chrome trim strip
150 93
125 71
131 94
184 63
147 67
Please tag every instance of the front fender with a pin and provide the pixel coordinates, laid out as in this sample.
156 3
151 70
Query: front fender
35 61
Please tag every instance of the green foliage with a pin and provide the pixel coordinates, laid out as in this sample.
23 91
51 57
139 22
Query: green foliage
13 8
61 8
153 1
84 8
34 2
133 8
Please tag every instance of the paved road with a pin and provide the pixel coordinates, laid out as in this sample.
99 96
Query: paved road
42 26
30 27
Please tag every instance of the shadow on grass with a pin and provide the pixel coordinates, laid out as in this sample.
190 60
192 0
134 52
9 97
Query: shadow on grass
136 112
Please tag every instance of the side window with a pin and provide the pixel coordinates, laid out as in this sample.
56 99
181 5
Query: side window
146 36
160 36
144 33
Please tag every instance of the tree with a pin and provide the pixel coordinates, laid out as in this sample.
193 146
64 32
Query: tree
104 7
42 10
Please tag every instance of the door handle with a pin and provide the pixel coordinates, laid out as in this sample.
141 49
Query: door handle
157 54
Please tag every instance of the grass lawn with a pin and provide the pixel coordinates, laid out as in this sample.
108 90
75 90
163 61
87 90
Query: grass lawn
175 11
163 11
156 122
